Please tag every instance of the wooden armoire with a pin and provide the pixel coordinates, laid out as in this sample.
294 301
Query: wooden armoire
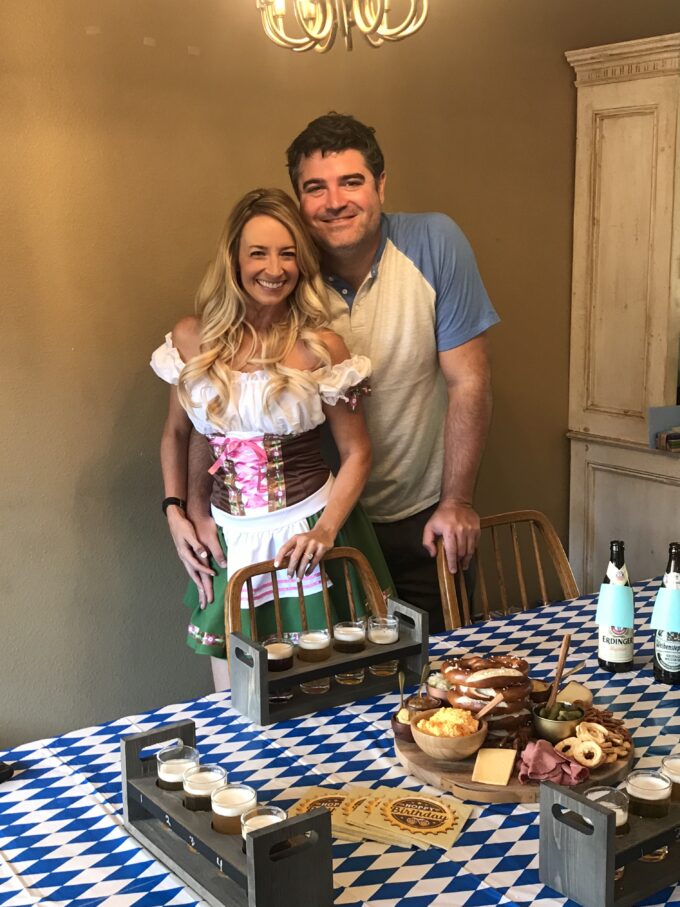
625 317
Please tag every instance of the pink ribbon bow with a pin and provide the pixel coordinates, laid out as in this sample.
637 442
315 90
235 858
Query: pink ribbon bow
249 457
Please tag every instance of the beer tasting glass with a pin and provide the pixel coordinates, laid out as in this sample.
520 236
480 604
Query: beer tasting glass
670 766
313 646
229 802
199 782
649 794
616 801
350 636
171 763
260 817
280 652
383 631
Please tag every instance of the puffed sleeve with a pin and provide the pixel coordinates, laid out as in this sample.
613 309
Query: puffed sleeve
167 362
346 381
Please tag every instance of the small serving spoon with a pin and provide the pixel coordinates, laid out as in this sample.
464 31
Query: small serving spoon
402 682
424 674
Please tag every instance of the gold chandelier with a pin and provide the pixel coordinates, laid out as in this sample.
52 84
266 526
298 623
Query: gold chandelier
319 21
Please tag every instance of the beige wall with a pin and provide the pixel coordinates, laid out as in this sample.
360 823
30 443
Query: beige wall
118 163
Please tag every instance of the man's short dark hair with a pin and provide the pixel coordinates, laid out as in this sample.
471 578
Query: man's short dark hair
335 132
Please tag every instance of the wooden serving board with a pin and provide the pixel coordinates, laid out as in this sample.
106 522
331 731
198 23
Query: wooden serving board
455 776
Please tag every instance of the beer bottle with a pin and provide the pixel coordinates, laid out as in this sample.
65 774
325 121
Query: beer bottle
666 642
615 644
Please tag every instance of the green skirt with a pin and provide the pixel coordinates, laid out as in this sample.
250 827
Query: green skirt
206 632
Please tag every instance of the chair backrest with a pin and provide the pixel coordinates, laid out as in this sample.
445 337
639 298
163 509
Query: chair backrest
518 562
374 599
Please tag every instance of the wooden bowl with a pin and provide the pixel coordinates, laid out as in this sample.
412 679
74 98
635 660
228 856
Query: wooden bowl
436 693
417 706
402 731
447 748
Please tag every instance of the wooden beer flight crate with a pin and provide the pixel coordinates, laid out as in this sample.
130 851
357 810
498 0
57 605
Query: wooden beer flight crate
579 850
211 864
251 682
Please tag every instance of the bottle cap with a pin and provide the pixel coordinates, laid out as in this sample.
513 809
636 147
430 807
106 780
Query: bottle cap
615 606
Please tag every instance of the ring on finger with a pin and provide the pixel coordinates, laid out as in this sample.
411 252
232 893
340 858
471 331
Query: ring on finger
310 556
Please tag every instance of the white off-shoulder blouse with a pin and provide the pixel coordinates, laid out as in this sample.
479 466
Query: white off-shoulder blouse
293 411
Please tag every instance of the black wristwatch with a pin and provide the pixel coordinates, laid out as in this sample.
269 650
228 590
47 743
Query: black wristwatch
177 502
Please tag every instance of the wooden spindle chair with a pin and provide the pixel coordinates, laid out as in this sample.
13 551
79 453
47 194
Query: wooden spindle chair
374 599
520 561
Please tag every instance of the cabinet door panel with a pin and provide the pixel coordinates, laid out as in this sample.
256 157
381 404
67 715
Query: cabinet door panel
624 331
620 492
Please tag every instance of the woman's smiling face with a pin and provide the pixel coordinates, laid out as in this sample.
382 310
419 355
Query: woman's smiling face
267 261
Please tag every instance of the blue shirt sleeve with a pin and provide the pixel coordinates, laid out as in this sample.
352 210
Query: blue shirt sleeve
463 307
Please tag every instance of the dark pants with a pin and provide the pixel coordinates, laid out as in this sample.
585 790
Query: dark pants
413 570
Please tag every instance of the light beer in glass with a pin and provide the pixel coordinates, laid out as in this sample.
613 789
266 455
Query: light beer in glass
229 802
670 766
260 817
383 631
172 762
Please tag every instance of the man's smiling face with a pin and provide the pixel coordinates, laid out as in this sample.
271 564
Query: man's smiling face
340 200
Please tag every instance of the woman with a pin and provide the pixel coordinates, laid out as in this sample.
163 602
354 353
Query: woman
257 373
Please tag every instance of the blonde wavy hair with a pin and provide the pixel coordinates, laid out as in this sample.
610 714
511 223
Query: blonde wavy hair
222 304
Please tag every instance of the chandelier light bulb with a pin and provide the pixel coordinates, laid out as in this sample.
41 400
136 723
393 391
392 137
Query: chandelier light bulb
320 21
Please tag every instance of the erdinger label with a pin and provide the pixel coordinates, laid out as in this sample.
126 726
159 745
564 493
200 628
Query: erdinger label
421 814
616 644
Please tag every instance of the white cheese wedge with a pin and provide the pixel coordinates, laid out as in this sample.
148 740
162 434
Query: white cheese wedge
574 691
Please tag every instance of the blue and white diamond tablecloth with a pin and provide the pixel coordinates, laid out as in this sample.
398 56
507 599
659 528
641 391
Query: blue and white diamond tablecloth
62 841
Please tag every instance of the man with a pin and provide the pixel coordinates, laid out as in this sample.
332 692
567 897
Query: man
405 291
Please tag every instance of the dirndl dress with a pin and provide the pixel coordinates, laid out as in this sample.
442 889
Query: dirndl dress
270 482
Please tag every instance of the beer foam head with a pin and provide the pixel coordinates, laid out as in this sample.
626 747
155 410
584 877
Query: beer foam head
202 783
604 798
648 787
261 821
277 651
671 768
173 769
349 634
315 639
383 635
233 801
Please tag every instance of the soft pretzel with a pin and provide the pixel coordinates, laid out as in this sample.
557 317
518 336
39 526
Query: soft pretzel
494 671
475 680
472 704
